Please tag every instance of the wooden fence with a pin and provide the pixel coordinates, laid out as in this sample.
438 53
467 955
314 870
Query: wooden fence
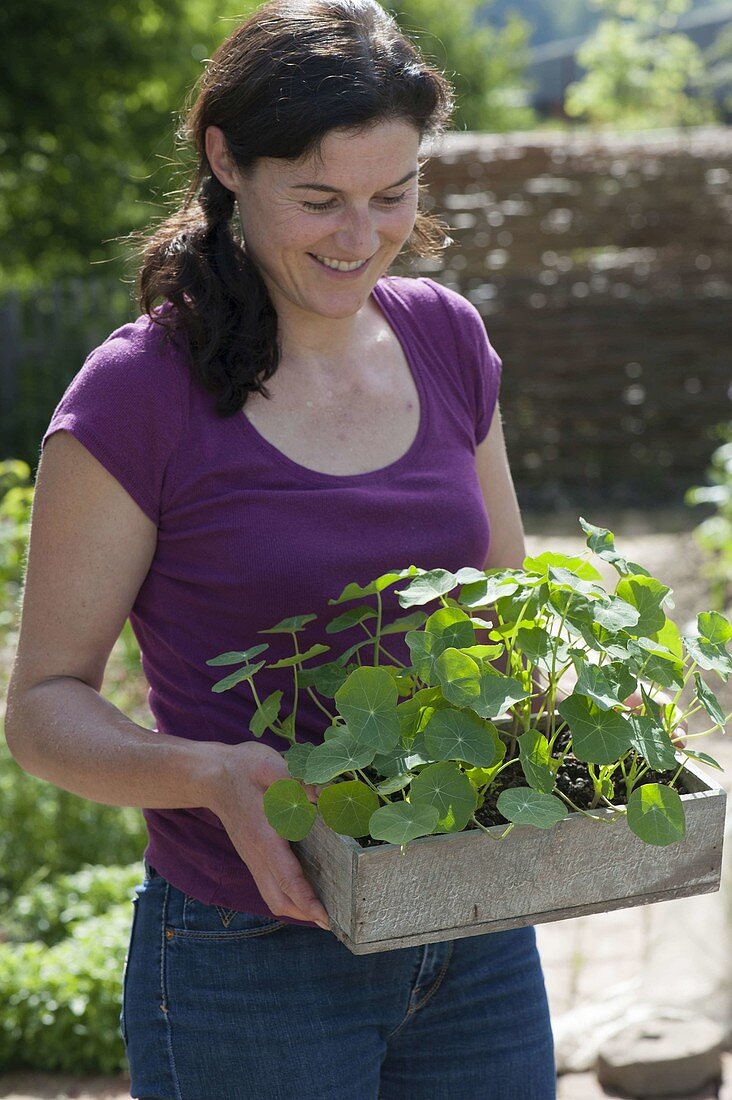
45 335
602 267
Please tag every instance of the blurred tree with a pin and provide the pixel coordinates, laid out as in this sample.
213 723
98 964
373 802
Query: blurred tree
485 62
640 71
718 69
90 100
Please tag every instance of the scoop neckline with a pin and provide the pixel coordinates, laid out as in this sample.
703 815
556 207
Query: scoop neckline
384 299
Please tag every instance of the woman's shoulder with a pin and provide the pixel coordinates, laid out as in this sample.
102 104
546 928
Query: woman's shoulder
136 375
150 343
437 306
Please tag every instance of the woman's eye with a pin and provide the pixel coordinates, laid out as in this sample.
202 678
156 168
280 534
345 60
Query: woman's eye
319 205
391 200
387 200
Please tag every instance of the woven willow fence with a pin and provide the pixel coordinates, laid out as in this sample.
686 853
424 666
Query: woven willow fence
603 270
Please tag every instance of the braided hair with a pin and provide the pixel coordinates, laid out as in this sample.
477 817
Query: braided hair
292 72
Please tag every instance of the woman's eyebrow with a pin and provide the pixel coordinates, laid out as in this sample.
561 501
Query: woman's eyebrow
327 187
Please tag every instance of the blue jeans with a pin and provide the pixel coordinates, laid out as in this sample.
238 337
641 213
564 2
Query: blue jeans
222 1005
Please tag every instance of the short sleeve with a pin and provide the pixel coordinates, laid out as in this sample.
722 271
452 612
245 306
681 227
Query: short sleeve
127 406
479 361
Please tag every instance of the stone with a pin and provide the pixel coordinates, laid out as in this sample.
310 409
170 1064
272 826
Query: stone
671 1054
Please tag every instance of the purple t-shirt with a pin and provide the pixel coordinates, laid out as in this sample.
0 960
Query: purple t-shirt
247 537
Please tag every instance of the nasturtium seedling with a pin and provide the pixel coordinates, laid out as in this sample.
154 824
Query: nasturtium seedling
289 809
419 746
347 807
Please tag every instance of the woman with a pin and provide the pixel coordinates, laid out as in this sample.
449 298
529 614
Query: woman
178 489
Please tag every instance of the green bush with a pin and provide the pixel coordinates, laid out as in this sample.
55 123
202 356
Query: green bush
714 534
61 1004
49 911
16 498
47 831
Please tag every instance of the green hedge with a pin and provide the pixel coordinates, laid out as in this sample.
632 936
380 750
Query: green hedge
49 911
47 831
61 1004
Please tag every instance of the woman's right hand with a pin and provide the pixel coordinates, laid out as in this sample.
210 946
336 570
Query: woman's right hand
249 769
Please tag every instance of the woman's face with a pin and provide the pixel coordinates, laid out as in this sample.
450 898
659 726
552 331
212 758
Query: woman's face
304 220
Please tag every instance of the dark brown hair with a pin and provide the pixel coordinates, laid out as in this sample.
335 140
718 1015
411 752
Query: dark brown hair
295 70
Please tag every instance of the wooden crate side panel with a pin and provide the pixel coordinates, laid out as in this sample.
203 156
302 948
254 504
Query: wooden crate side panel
468 878
328 862
436 935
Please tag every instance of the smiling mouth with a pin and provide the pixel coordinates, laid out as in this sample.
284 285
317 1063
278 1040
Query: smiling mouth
339 265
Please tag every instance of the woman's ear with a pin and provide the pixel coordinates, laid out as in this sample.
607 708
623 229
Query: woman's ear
220 159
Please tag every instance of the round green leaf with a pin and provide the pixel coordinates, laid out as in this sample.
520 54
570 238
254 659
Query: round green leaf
290 626
647 595
709 701
535 761
396 783
457 735
265 715
464 684
356 591
424 649
525 806
236 658
481 593
350 618
235 678
614 614
703 758
428 586
298 658
326 678
368 702
583 568
398 761
452 626
296 758
608 685
709 655
288 809
341 753
405 623
346 808
415 712
656 814
602 542
446 787
652 741
714 627
598 736
400 822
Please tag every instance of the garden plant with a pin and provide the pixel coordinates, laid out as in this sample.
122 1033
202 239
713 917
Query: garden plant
476 730
714 534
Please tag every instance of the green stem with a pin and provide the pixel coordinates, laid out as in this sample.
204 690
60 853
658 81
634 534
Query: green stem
297 686
377 639
319 705
372 637
579 810
365 779
487 830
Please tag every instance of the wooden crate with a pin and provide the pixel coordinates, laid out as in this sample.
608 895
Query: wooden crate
466 884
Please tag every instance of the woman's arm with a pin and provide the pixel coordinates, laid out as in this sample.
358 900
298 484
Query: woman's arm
90 550
507 549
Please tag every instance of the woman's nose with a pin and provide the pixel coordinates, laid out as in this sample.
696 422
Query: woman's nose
359 236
